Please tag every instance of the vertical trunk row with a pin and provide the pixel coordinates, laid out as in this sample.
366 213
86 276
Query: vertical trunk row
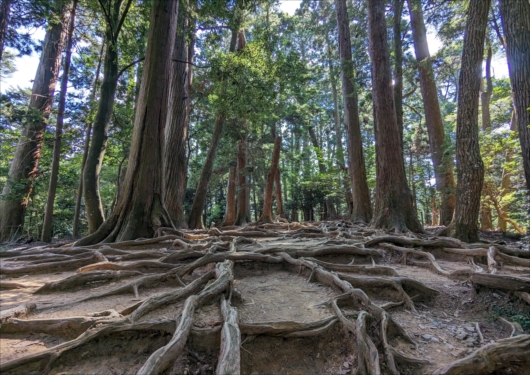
362 209
393 200
242 186
140 209
52 189
278 190
443 166
515 16
175 160
266 215
397 6
230 211
470 168
24 167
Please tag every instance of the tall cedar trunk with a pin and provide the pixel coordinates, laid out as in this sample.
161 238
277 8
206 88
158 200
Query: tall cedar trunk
515 16
195 219
485 96
175 160
52 189
88 133
469 166
140 210
242 186
338 133
506 179
96 152
443 165
24 167
329 206
266 215
362 209
5 8
230 211
278 190
398 65
394 207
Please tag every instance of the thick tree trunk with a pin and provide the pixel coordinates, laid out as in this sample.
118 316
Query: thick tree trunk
394 207
52 189
242 186
443 165
397 6
24 167
230 211
140 209
5 8
175 160
515 16
88 133
362 209
470 168
266 215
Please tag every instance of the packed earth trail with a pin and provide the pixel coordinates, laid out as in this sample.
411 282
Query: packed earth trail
279 298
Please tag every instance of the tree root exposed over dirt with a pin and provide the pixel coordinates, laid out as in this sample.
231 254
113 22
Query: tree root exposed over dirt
213 301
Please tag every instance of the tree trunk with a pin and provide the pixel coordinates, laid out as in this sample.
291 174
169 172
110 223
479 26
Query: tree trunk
515 16
279 200
24 167
96 152
140 208
266 215
48 215
394 207
5 8
397 6
362 209
242 186
470 169
443 165
230 211
175 160
88 132
195 220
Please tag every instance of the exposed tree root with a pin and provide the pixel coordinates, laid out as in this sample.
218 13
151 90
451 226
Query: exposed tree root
367 352
363 270
81 279
229 356
55 326
519 284
17 312
512 353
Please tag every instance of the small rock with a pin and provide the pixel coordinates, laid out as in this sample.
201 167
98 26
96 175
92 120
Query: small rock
435 339
426 337
461 336
449 346
470 328
442 326
413 347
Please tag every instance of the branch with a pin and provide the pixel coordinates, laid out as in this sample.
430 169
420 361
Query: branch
190 63
128 66
107 17
122 19
405 96
213 28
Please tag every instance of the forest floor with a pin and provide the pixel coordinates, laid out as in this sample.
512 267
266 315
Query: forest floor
299 298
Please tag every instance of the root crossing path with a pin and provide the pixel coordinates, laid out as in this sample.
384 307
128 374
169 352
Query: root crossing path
276 298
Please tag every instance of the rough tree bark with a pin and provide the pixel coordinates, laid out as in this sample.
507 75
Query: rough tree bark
278 191
394 207
469 166
52 189
96 152
362 209
140 210
195 219
24 167
515 15
88 133
266 215
443 168
5 8
230 211
397 6
175 159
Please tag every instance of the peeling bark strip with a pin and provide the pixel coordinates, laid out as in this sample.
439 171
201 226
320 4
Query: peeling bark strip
24 167
362 209
140 211
470 168
394 208
443 165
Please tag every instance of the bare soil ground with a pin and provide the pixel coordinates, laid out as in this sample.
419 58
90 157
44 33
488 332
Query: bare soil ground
309 298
